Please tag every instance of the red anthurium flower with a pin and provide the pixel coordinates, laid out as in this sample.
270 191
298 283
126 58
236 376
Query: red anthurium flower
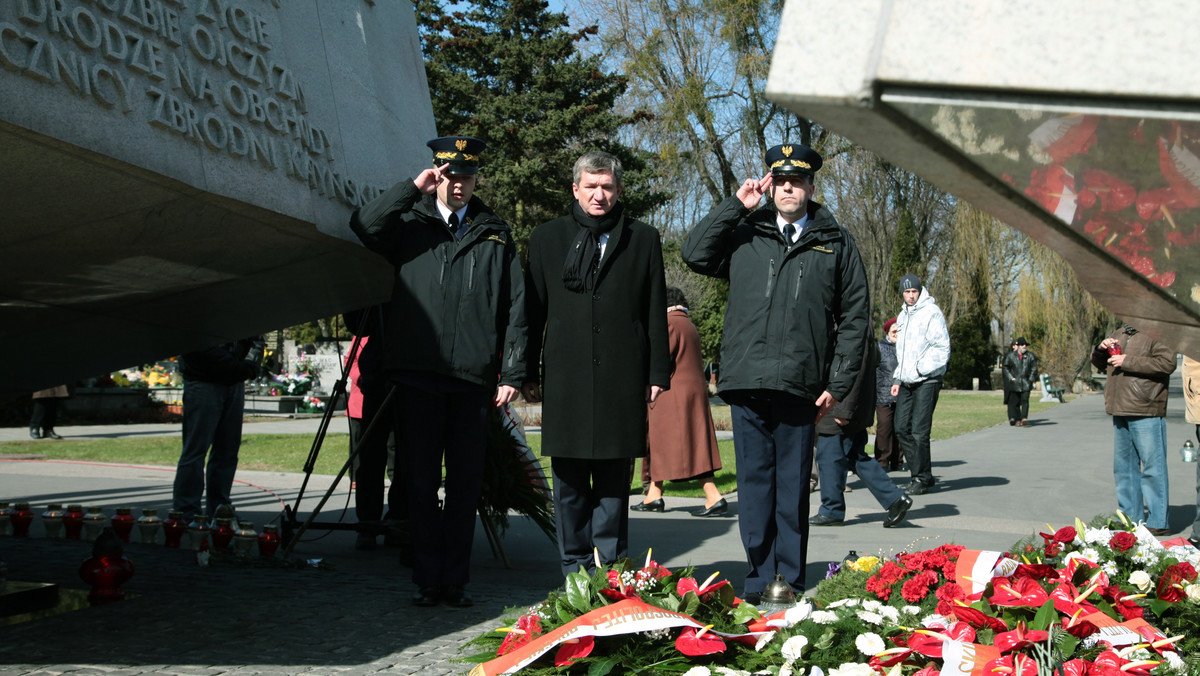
1077 627
976 618
1113 193
687 584
961 631
926 642
527 628
889 657
930 669
695 643
1170 584
1019 591
618 590
1018 638
573 649
1014 665
1075 667
1122 541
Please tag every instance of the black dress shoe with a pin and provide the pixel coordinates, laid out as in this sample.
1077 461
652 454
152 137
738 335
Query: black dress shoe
916 487
457 596
897 510
822 520
658 505
426 597
1194 541
51 434
35 433
719 508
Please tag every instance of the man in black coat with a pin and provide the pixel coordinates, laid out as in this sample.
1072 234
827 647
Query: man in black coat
1020 373
795 325
454 346
595 293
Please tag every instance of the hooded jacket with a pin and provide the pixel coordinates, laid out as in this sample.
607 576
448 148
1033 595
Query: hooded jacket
923 346
798 314
457 306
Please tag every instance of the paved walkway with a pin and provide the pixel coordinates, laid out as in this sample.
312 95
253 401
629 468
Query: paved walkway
995 487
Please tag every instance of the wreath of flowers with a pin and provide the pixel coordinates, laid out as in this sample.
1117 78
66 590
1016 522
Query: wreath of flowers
1106 599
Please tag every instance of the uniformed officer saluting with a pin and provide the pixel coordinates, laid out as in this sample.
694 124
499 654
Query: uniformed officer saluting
795 328
456 320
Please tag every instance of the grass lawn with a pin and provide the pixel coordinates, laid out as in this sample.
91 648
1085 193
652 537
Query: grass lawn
956 414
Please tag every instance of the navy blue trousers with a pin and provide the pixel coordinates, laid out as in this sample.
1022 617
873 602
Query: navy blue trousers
591 508
835 454
773 443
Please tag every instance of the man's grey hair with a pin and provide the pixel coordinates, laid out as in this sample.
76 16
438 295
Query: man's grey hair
598 162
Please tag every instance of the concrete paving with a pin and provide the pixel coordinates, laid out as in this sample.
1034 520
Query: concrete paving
353 616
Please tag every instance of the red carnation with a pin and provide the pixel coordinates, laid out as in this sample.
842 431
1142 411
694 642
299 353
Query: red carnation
1122 541
918 588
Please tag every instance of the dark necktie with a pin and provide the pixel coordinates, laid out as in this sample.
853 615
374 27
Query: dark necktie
453 223
789 232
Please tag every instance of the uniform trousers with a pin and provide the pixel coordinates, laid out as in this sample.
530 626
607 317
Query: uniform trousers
591 508
447 422
836 453
773 443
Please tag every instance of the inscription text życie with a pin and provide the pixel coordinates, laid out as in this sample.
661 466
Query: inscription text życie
203 70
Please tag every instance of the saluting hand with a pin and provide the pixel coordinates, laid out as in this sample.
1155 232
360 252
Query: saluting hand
752 191
427 181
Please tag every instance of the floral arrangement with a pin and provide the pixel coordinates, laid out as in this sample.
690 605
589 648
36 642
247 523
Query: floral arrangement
311 404
298 381
1105 599
155 375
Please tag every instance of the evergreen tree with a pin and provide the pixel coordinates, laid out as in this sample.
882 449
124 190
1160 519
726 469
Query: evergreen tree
508 72
906 252
971 352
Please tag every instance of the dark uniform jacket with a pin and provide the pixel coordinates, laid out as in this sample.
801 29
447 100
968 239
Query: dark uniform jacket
457 307
601 349
1023 369
1139 387
797 315
859 405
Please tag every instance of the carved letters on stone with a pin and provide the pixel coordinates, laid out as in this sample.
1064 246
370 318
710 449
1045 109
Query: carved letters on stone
202 70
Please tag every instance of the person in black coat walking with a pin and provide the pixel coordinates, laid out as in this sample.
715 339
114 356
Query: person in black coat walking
595 296
1020 373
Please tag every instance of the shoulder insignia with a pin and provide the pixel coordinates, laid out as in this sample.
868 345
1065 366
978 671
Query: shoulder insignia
822 249
498 238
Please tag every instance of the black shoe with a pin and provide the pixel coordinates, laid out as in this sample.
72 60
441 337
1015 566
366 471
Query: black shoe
822 520
916 487
897 510
426 597
658 505
35 433
457 596
719 508
1194 541
51 434
1159 532
365 542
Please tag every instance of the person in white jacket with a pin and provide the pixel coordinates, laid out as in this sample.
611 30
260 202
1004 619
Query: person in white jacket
922 352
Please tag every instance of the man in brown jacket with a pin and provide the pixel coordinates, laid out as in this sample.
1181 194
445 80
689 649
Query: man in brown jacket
1135 395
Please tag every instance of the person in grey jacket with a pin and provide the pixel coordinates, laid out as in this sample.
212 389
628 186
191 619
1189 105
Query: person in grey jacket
796 324
922 352
887 449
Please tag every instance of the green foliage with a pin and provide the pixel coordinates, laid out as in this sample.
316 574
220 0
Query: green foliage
510 73
906 252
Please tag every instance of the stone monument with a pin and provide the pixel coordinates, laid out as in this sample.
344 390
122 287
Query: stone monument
179 173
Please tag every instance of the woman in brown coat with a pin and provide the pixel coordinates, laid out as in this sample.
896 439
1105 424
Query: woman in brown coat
683 442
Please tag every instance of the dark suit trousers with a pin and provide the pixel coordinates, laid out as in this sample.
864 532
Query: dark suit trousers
914 424
434 424
773 442
591 506
1018 405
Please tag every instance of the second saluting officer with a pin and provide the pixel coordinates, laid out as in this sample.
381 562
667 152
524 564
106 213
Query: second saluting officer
455 320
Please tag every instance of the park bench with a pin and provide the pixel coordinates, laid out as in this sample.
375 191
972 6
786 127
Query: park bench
1049 392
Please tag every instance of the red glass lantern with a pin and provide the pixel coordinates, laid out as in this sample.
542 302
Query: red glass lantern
21 516
173 528
73 522
123 522
268 541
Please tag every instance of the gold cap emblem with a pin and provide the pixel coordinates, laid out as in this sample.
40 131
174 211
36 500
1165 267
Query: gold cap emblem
461 144
786 150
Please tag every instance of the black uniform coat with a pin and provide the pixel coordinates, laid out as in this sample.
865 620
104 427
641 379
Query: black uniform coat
601 349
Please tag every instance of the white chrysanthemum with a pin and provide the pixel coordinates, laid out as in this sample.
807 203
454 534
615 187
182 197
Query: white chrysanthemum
792 648
698 671
869 617
798 612
1193 593
726 671
890 614
849 603
816 671
1175 661
869 644
853 669
1110 568
911 610
763 639
786 670
1144 536
1097 536
1146 554
823 617
1091 554
1141 580
872 605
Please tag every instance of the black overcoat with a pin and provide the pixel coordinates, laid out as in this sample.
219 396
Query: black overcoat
600 349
